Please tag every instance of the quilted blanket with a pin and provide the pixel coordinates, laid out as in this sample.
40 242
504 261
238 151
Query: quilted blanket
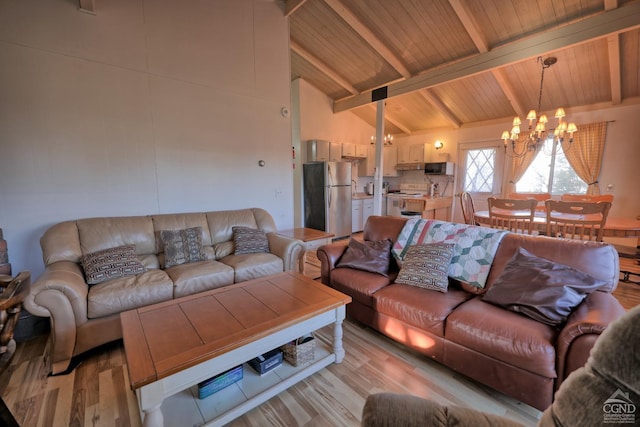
475 247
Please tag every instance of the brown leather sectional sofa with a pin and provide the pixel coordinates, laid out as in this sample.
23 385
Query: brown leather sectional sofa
83 317
505 350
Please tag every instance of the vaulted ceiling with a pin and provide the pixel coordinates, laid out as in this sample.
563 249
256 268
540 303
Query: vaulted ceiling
450 63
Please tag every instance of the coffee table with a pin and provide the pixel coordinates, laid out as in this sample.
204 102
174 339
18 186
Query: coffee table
172 346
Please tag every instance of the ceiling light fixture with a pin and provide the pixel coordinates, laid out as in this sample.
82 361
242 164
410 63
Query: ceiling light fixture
535 139
388 138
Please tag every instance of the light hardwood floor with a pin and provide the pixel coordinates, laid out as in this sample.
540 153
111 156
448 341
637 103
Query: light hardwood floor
97 392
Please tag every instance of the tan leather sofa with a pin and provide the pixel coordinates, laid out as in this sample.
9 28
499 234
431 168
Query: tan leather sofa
83 317
508 351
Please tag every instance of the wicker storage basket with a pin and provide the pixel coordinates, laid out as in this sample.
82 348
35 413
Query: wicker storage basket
301 351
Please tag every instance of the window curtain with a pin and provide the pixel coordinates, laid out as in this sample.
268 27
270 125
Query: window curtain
519 165
585 153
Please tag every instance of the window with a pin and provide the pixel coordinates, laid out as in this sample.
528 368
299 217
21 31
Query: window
550 172
480 171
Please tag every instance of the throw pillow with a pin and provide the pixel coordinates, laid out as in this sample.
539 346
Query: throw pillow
542 289
427 266
182 246
111 263
372 256
249 240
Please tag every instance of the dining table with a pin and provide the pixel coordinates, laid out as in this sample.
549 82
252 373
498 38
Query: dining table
614 227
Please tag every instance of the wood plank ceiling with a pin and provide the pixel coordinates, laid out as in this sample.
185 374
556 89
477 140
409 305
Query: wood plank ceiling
451 63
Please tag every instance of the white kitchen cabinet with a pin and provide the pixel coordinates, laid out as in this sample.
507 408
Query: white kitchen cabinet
356 215
366 167
367 210
361 150
348 149
403 154
335 152
323 151
413 153
390 158
317 150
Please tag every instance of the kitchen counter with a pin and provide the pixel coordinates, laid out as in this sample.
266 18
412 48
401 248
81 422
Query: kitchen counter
436 202
430 207
361 196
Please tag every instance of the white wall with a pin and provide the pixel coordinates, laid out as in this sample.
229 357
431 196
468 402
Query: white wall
151 106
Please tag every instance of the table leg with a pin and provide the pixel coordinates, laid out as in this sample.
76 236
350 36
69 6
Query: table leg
338 350
150 398
153 417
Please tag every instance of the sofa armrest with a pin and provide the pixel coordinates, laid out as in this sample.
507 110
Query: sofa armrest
60 293
328 255
583 327
290 250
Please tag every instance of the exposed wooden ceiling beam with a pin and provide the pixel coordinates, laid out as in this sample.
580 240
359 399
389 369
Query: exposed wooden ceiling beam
291 6
611 22
384 51
88 6
434 100
368 36
472 28
394 121
316 62
509 92
613 47
470 25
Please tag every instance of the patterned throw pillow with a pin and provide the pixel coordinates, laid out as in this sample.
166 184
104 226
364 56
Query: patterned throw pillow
111 263
426 266
182 246
249 240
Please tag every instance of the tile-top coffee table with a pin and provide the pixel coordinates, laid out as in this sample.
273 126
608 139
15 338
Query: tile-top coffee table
172 346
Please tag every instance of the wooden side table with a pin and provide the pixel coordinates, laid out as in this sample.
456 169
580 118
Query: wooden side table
311 239
12 294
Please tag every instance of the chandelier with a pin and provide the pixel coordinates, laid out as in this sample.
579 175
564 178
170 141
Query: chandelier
534 139
387 140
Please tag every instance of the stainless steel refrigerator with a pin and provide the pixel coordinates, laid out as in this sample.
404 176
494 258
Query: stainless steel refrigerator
327 197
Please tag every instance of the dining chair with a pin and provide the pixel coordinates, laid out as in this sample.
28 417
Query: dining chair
468 210
512 214
540 198
577 220
590 198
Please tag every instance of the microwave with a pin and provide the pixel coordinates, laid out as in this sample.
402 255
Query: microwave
438 168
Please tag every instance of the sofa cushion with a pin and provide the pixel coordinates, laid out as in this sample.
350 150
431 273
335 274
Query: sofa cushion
249 240
252 266
115 296
504 335
112 263
199 276
427 266
372 256
359 284
544 290
182 246
422 308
